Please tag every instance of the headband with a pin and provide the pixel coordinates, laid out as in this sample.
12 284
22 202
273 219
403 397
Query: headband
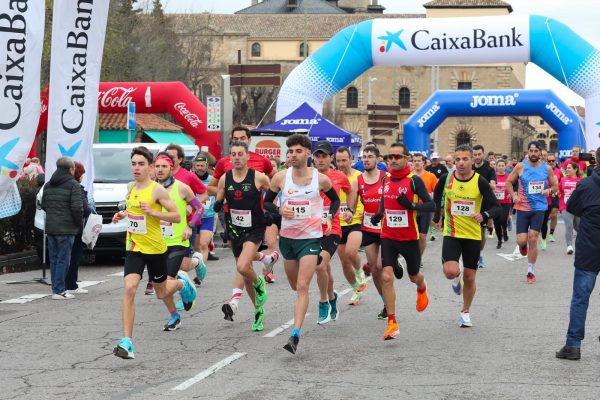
166 158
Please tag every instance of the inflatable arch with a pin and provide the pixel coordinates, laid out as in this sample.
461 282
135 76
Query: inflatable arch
153 97
448 41
477 103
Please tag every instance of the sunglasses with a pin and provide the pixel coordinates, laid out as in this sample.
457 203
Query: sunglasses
551 160
396 156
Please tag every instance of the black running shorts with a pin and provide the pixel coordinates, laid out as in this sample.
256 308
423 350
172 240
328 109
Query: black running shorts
175 255
369 238
255 236
409 249
156 263
453 248
423 221
330 244
347 230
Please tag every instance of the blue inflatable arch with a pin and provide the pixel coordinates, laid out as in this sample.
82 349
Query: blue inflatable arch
482 103
448 41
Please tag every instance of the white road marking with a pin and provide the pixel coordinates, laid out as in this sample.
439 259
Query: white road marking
209 371
30 297
121 273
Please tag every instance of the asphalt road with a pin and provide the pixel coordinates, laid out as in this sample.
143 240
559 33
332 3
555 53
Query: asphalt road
63 349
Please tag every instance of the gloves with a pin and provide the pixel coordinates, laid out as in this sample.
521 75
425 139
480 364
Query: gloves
376 219
404 201
268 218
218 206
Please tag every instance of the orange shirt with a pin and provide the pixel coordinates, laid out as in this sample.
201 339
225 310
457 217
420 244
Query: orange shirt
429 179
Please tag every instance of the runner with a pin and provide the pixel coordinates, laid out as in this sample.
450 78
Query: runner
467 201
241 187
323 157
351 232
483 168
177 234
430 180
501 221
145 245
555 200
567 187
203 233
370 191
530 202
404 195
301 229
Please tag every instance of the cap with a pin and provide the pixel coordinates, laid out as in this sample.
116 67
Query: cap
201 157
323 146
434 155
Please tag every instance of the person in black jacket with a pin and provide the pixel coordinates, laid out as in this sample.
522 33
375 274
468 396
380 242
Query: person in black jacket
77 250
64 216
585 204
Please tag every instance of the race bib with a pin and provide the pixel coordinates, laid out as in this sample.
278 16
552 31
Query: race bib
463 208
396 218
325 213
535 187
166 228
568 194
343 208
367 221
136 224
301 208
241 218
499 195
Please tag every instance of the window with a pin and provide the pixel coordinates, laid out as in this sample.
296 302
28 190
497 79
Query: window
463 137
256 50
352 97
464 85
541 122
303 52
404 97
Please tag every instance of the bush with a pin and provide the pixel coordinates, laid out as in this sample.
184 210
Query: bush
16 232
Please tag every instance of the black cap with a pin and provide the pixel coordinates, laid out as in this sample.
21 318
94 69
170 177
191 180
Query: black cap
324 146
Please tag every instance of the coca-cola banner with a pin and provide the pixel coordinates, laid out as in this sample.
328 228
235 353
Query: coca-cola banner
21 42
78 29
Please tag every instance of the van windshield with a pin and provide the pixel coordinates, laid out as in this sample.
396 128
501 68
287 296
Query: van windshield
112 165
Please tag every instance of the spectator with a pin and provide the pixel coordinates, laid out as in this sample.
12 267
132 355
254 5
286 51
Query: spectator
381 163
64 216
72 273
575 152
585 204
450 163
33 169
436 167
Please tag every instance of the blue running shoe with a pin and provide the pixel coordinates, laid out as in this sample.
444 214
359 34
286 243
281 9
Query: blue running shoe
200 266
324 313
335 313
173 324
458 287
480 262
188 291
124 349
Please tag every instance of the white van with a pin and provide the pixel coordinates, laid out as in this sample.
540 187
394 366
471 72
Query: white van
112 168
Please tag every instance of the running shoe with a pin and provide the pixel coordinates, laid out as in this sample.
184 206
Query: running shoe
509 225
270 277
188 291
149 289
268 267
335 313
173 323
570 250
259 317
391 331
551 237
361 278
523 250
200 266
465 320
432 238
499 245
197 282
292 344
367 269
531 278
490 234
324 313
179 305
458 288
124 349
543 244
383 314
260 292
212 256
480 262
422 300
505 237
355 298
398 270
229 309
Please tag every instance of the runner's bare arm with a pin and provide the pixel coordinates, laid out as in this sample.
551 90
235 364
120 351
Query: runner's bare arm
553 181
352 199
161 196
275 187
262 182
510 182
211 188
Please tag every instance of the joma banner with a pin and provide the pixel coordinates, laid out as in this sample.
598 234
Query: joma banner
21 41
78 29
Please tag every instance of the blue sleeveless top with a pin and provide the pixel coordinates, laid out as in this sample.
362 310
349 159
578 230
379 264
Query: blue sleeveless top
531 183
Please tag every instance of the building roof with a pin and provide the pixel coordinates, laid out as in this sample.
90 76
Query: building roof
281 7
277 26
468 4
145 122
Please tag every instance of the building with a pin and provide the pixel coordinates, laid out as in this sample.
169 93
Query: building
286 31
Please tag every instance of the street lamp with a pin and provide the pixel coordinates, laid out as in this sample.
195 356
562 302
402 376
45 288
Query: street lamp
370 101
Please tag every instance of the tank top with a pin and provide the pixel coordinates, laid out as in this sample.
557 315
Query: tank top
370 197
567 187
245 203
209 203
308 208
359 206
340 184
500 190
461 199
398 222
173 233
143 231
531 183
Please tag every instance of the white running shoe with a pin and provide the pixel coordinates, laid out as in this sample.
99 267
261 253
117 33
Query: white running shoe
268 267
570 250
62 296
78 291
465 320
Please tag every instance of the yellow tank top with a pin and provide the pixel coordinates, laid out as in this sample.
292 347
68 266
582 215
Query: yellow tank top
359 206
462 198
143 231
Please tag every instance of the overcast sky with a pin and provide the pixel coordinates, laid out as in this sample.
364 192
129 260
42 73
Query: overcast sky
579 15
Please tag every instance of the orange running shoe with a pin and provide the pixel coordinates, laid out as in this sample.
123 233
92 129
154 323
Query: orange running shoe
392 330
531 278
422 300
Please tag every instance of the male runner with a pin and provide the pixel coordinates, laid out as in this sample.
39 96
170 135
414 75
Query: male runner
145 245
404 195
467 201
430 180
351 232
530 202
204 232
242 188
485 170
301 231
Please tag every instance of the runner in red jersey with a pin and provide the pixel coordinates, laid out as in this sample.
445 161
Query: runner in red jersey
399 233
551 160
323 157
370 191
501 221
567 187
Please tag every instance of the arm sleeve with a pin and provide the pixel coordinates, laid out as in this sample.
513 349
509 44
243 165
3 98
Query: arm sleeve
335 201
490 203
268 202
438 194
419 188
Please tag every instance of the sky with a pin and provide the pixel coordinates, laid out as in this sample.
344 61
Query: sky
576 14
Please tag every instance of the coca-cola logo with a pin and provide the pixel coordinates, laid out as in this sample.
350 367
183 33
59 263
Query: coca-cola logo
190 117
116 97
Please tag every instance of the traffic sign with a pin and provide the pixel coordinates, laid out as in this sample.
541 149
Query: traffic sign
213 114
131 115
